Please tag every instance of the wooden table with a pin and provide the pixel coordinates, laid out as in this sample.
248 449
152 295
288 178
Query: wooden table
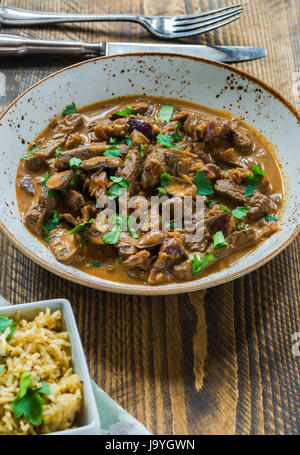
197 363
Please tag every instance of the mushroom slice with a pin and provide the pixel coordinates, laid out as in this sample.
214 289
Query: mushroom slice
150 239
60 180
99 162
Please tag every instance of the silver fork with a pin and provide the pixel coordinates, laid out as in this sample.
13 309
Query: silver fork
168 27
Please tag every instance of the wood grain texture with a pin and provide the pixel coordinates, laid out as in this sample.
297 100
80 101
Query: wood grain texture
214 363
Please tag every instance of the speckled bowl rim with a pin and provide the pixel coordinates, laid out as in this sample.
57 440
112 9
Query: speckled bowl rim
189 286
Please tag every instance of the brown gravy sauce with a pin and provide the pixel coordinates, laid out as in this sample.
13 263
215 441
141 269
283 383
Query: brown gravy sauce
264 152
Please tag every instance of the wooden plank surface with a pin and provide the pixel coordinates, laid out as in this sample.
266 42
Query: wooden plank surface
214 363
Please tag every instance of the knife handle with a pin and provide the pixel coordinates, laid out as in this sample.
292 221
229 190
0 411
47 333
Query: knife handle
13 45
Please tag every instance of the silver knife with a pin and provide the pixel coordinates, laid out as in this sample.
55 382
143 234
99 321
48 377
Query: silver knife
14 45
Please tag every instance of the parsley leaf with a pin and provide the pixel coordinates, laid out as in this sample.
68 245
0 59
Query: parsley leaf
219 241
253 180
75 163
166 112
57 152
164 179
238 212
117 140
270 218
95 264
28 401
52 222
121 184
113 236
127 140
203 184
80 226
176 136
31 152
46 238
161 191
46 177
199 264
126 111
165 140
211 202
142 146
5 323
127 221
112 151
70 109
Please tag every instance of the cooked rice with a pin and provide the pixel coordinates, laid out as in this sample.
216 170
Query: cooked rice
41 347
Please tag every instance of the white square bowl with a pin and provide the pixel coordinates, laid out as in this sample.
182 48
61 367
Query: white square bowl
88 421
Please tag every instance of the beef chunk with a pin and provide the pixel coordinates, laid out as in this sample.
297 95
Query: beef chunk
73 200
241 139
65 247
106 128
59 134
132 166
139 260
157 162
39 210
171 253
60 181
237 240
84 153
223 222
183 271
27 185
259 205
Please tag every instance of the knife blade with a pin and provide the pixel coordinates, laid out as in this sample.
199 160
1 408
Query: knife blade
227 54
15 45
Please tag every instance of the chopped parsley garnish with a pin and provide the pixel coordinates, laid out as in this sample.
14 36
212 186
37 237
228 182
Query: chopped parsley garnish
118 140
127 140
164 179
46 238
75 163
70 109
2 368
166 112
74 181
126 111
211 202
238 212
177 136
161 191
253 180
31 152
80 226
219 241
121 185
6 323
52 222
198 263
46 177
270 218
142 146
203 184
113 236
127 221
166 141
57 152
95 264
29 402
112 151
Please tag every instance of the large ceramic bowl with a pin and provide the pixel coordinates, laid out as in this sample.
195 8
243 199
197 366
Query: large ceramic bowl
201 81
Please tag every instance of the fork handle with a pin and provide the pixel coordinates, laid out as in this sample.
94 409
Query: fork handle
18 16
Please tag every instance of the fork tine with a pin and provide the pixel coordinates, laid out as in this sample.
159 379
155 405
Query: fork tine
206 13
200 30
185 26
